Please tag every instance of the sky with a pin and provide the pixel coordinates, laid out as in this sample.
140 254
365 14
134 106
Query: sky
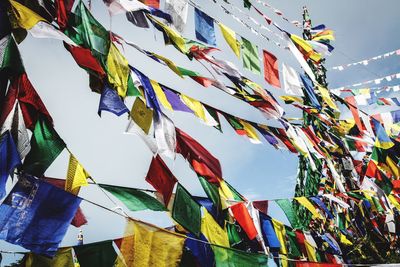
363 28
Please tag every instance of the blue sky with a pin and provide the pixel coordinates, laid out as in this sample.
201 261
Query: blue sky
364 28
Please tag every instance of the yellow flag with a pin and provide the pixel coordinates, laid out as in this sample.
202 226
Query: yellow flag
118 70
306 47
307 204
76 176
281 234
310 252
290 99
250 132
177 40
169 63
62 258
141 115
151 247
161 95
327 98
225 194
25 17
212 231
194 105
344 240
230 38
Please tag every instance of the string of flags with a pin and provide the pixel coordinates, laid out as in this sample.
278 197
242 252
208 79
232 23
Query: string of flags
387 78
346 203
365 62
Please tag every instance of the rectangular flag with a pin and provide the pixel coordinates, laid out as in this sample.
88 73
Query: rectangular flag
291 81
251 60
178 9
9 160
271 71
36 215
204 26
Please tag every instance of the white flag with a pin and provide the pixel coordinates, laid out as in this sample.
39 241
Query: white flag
178 9
116 7
164 131
291 81
45 30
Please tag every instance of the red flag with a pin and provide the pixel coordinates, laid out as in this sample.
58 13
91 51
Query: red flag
351 103
161 178
151 3
200 159
79 218
300 241
242 216
31 104
63 8
85 59
271 72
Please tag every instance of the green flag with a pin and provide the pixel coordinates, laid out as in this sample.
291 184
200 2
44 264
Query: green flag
294 250
211 191
287 207
100 254
225 257
134 199
46 145
251 60
186 211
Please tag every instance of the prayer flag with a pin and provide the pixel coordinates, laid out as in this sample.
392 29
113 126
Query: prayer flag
161 178
116 7
118 70
25 17
63 9
63 258
350 102
381 138
45 30
178 9
195 106
287 207
137 18
99 254
134 199
269 234
212 231
43 213
84 58
186 211
251 60
110 101
14 123
202 162
281 235
10 58
230 38
309 206
291 81
204 26
161 95
141 115
310 94
153 247
164 132
271 69
76 176
175 101
9 160
201 251
242 216
46 145
225 257
29 101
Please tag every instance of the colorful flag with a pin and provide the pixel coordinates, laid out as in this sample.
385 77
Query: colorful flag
186 211
29 101
291 81
195 106
63 258
9 160
309 91
14 123
45 30
175 101
10 58
242 216
25 17
134 199
161 178
271 69
382 140
118 70
200 250
281 235
110 101
212 231
162 98
46 145
287 207
269 234
141 115
76 176
202 162
204 26
116 7
43 213
99 254
178 9
230 38
251 60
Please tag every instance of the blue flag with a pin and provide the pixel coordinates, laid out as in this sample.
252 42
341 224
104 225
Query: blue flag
204 26
269 234
110 101
9 160
36 215
200 250
308 85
